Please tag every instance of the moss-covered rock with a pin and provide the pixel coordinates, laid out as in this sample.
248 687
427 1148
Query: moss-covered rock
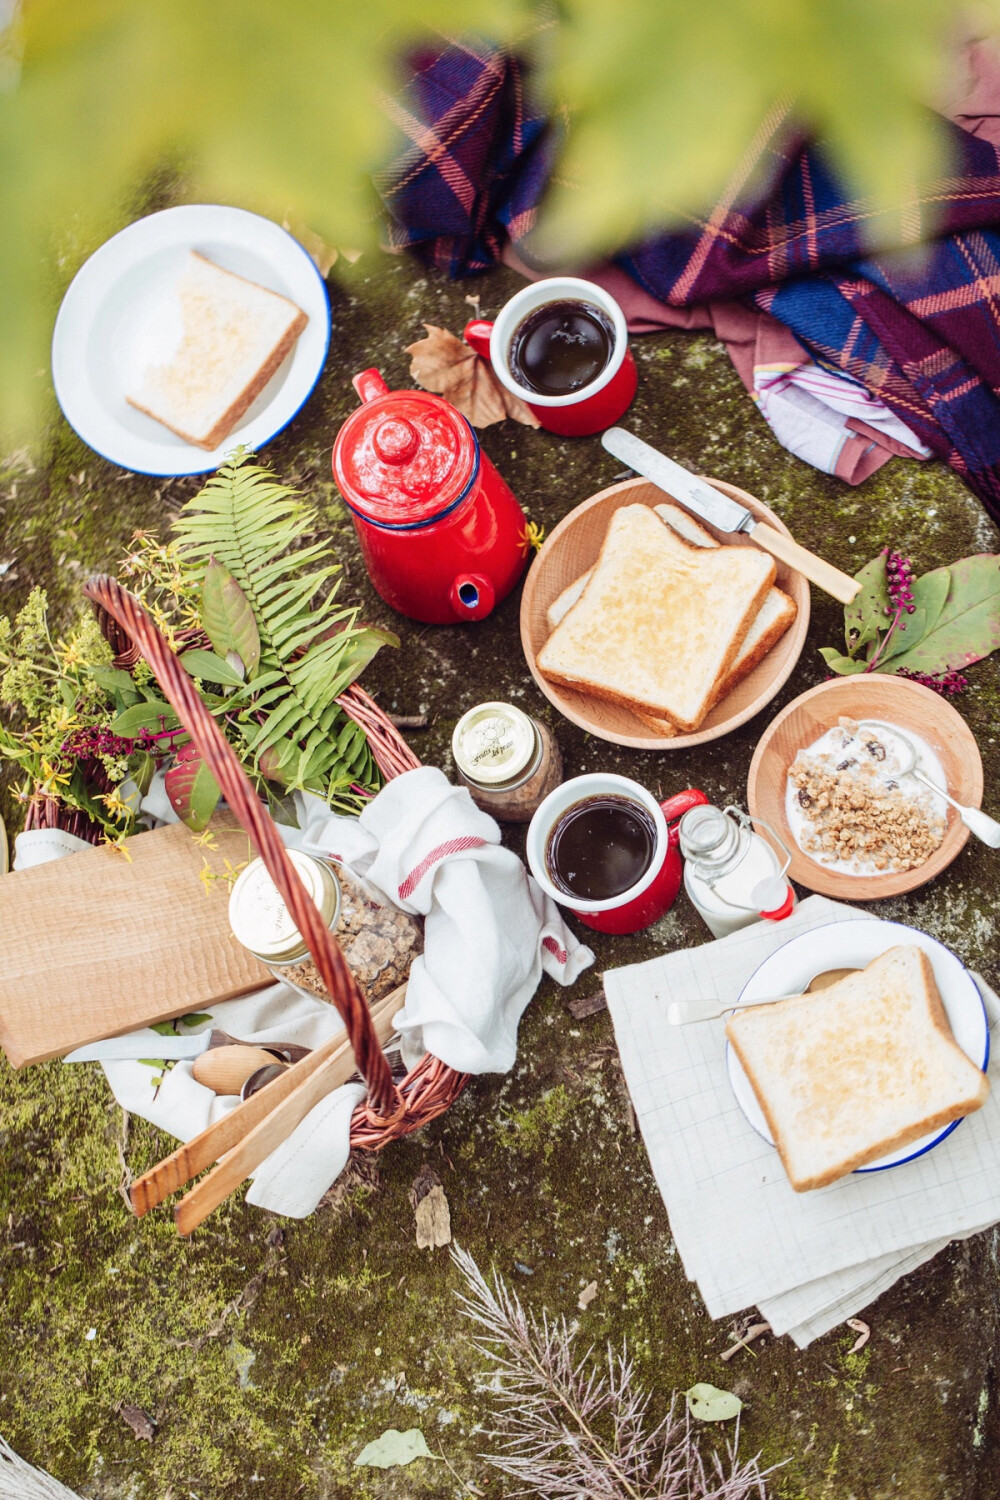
267 1352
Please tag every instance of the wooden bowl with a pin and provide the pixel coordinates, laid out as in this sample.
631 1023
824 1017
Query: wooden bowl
573 547
894 700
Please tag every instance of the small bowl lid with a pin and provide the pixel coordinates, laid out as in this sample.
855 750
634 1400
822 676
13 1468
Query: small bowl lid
493 743
259 917
405 459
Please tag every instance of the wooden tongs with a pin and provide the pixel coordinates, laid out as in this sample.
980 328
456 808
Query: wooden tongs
243 1138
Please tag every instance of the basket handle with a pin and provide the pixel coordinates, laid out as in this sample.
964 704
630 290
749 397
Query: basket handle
180 692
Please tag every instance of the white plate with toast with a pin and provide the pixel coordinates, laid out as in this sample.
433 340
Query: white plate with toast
111 327
853 945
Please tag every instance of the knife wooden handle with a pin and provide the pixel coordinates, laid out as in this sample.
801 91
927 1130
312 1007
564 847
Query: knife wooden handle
275 1127
823 574
221 1136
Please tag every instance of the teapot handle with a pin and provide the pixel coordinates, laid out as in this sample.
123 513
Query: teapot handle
675 807
370 385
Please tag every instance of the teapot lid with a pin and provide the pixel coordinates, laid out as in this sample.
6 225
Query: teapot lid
404 458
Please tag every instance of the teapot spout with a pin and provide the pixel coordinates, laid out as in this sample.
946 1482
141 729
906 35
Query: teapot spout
472 596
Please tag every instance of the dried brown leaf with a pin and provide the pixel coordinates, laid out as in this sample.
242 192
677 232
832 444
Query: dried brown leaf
430 1210
863 1332
587 1296
447 366
140 1421
323 254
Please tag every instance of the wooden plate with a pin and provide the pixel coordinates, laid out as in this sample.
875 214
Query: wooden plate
894 700
573 547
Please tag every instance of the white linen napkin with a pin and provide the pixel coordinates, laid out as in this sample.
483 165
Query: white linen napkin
807 1260
489 932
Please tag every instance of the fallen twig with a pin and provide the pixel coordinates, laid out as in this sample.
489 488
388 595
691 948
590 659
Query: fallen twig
755 1331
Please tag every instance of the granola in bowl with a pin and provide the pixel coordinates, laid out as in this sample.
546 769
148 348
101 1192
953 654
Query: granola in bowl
851 806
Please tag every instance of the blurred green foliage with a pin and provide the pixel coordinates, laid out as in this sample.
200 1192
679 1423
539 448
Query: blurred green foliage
274 106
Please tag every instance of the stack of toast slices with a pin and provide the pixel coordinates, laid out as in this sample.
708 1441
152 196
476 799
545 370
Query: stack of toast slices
667 621
858 1070
215 340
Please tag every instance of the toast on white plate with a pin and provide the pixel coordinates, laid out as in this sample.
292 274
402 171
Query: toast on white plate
774 617
215 340
858 1070
659 622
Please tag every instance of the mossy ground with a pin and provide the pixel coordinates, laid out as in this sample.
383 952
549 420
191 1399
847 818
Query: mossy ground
270 1352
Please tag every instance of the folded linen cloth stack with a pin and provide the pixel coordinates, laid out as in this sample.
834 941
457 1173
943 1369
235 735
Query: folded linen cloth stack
489 932
807 1260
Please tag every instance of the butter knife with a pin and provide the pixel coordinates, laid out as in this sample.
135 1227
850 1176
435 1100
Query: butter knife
718 510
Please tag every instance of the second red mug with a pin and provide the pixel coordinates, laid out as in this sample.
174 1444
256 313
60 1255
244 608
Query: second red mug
596 405
653 894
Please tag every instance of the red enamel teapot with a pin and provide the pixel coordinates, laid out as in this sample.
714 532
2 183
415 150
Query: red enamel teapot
442 536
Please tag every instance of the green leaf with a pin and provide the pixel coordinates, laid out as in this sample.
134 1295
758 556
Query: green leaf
358 653
228 618
282 808
868 611
968 627
211 668
929 594
907 633
141 768
192 789
844 666
710 1404
394 1449
152 717
116 682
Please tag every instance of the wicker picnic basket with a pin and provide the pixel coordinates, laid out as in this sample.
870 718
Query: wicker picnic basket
392 1108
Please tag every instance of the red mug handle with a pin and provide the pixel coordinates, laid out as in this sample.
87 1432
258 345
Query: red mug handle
477 335
370 385
675 807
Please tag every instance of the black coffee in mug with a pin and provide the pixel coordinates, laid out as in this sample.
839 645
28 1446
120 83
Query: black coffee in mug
600 847
561 347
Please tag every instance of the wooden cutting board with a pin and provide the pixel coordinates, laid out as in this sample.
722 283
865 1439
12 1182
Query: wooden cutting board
98 943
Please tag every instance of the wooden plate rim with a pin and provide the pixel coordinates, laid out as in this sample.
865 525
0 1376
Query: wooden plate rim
796 586
825 882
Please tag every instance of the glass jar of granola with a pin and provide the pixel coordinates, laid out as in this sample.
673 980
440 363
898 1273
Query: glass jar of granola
379 942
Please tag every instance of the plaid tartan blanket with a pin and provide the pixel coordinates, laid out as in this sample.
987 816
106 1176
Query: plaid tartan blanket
919 328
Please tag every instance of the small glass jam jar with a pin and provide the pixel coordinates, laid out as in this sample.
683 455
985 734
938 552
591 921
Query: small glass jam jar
509 762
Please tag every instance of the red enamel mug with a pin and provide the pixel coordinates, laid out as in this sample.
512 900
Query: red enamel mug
650 897
441 533
590 409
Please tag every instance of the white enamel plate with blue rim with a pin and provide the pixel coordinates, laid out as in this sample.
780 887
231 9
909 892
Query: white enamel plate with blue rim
98 337
853 945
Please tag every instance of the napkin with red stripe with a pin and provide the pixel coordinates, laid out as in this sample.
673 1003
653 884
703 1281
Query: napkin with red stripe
489 931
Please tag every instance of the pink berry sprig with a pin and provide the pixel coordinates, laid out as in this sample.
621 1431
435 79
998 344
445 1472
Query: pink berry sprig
947 684
93 740
899 582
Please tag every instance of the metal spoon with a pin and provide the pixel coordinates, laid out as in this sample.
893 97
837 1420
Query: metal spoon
683 1012
984 827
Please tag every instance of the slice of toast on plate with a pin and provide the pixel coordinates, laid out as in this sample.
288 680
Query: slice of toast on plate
660 622
858 1070
774 617
214 341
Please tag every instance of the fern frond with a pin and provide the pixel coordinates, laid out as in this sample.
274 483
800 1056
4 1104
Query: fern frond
311 647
